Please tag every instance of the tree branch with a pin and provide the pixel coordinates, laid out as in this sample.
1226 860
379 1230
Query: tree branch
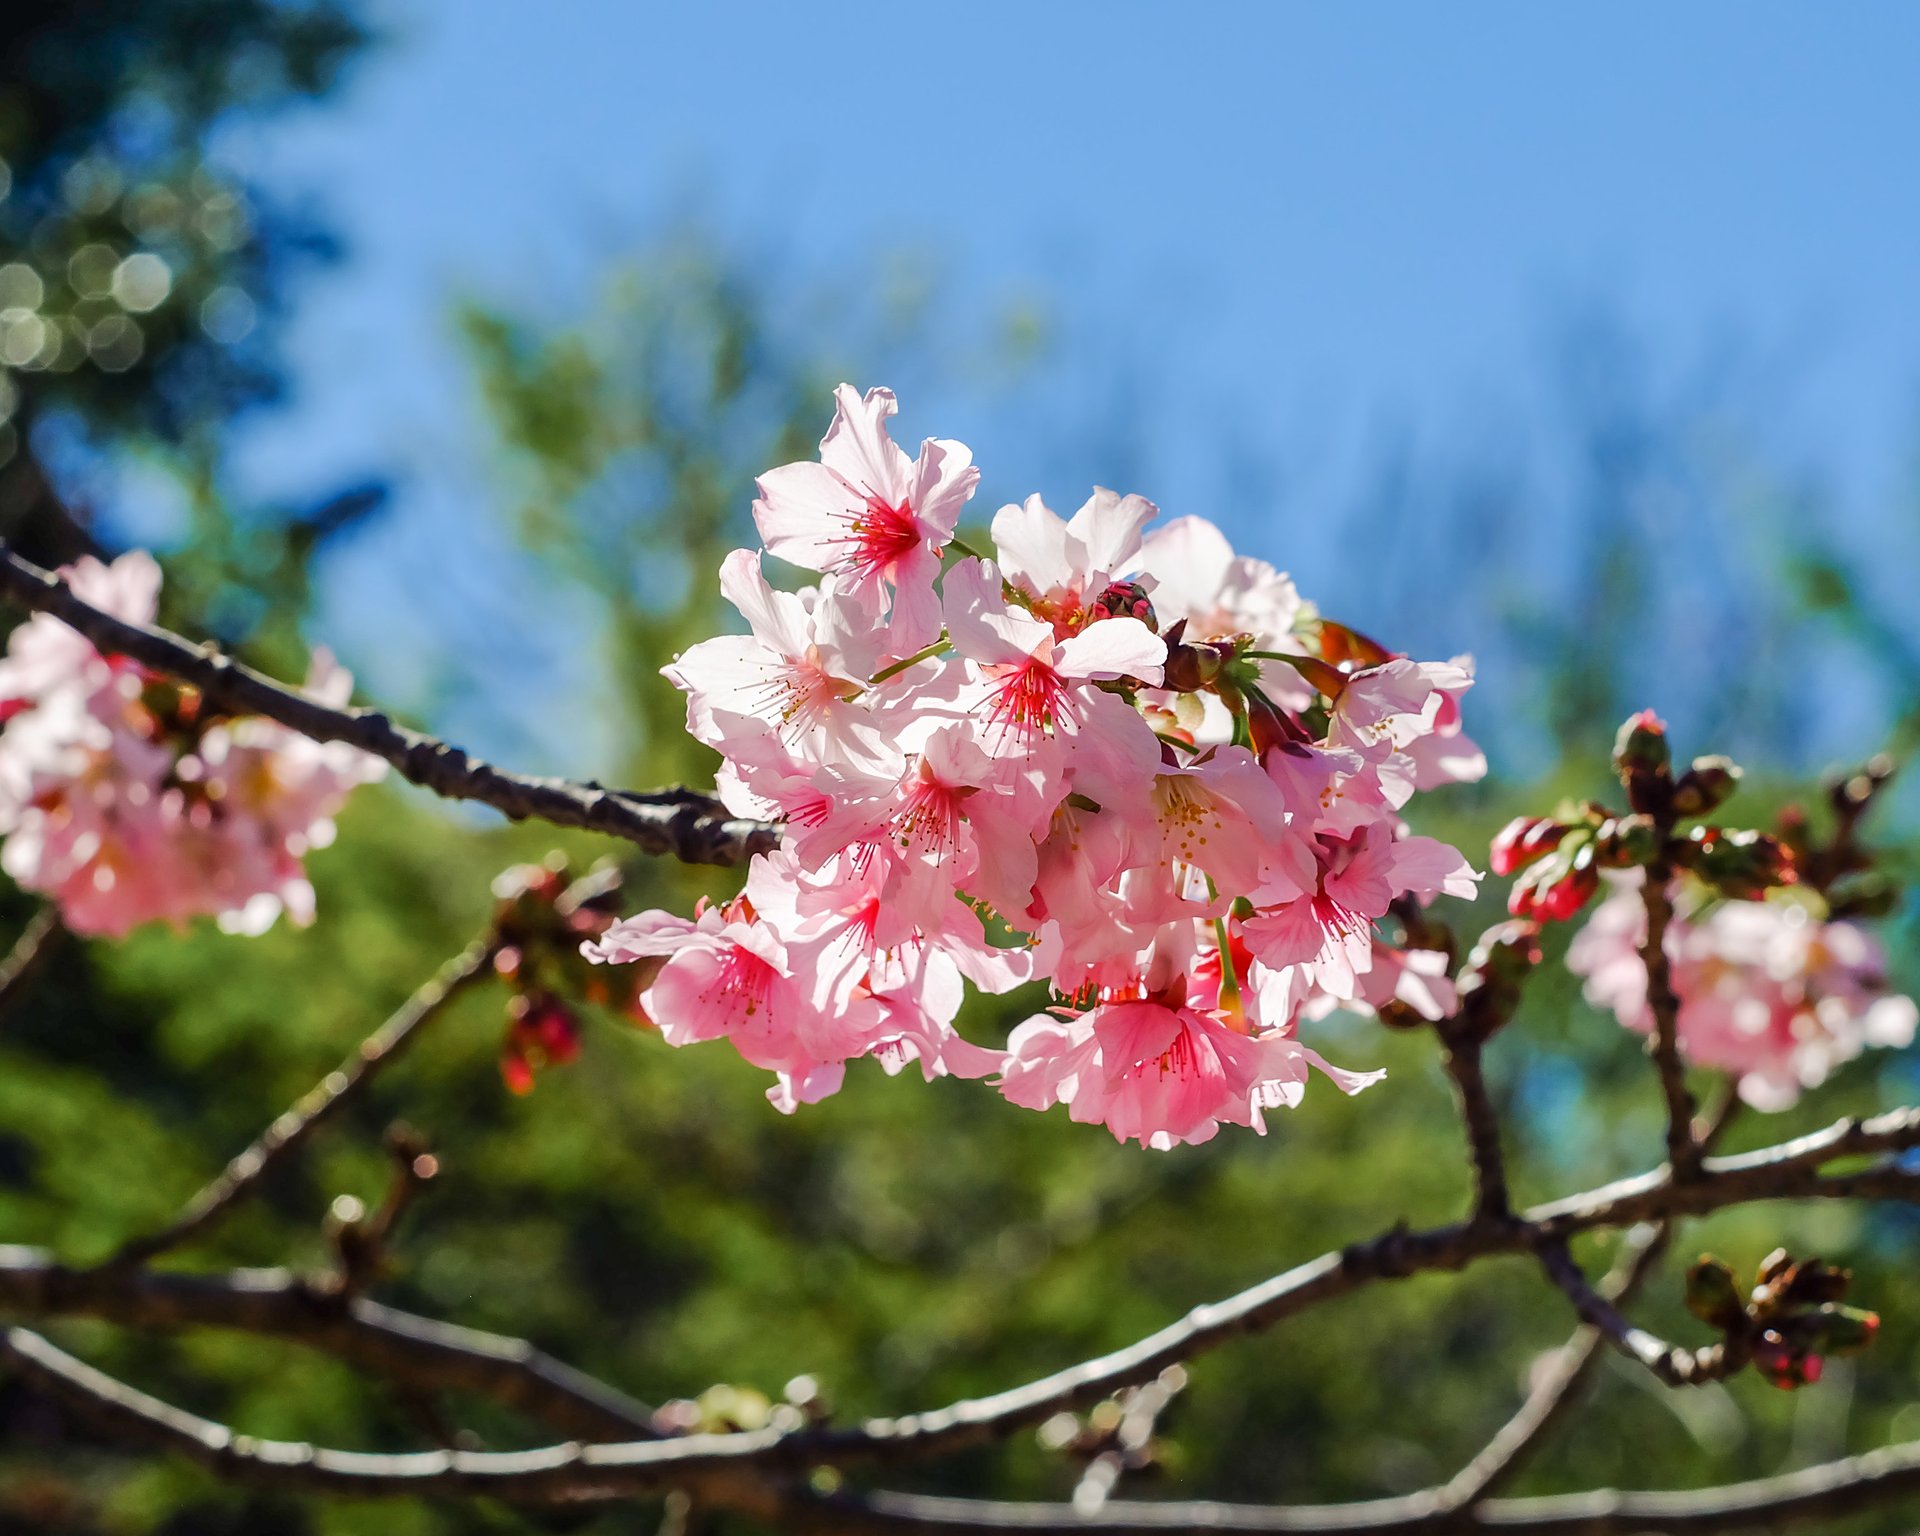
1787 1171
691 826
582 1472
1676 1366
327 1097
1664 1043
1461 1056
30 951
432 1356
1573 1363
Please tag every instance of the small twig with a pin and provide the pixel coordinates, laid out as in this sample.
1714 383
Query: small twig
592 1473
1676 1366
1132 1439
1664 1044
1461 1056
1572 1366
692 827
332 1093
422 1352
361 1241
30 951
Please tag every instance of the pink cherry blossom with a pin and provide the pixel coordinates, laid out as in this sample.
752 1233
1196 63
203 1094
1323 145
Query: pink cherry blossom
870 516
1768 990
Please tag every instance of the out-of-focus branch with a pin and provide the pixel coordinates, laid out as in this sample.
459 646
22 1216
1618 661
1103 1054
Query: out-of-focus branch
421 1352
579 1472
690 826
1664 1043
1790 1170
1673 1364
1823 1492
1132 1439
1571 1368
325 1099
1461 1056
37 941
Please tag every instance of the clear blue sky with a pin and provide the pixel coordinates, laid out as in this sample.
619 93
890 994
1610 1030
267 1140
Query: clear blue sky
1309 226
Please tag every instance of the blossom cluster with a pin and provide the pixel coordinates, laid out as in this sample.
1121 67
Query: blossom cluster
124 798
1122 760
1770 991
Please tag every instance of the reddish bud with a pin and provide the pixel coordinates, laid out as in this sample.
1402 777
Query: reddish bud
1556 888
1742 866
1342 646
1124 600
1706 785
1523 840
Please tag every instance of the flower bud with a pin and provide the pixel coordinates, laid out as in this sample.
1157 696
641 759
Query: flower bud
1190 668
1557 887
1844 1330
1643 762
1124 600
1713 1296
1523 840
1270 726
1784 1363
1742 866
1705 786
1626 842
1497 966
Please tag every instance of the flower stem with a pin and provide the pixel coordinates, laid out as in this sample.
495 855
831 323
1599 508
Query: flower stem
895 668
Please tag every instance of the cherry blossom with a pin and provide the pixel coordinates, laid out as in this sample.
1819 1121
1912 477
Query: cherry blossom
124 800
1123 760
1769 990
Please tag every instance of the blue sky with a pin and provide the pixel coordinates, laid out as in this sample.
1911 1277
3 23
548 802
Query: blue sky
1312 228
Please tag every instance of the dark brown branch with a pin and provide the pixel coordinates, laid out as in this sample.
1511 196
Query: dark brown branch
1553 1397
1824 1492
1673 1364
37 941
1663 1045
1461 1056
572 1472
1787 1171
690 826
1573 1364
1132 1439
425 1354
327 1097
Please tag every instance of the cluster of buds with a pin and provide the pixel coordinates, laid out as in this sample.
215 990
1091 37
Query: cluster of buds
539 926
1560 859
1794 1317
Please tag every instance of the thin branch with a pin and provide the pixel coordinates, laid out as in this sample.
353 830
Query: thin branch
592 1472
691 826
1823 1492
1787 1171
1675 1365
1554 1395
425 1354
30 951
1664 1043
1132 1439
1461 1056
1572 1367
325 1099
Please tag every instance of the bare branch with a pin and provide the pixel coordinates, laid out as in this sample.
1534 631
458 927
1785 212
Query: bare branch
1816 1493
691 826
1787 1171
1132 1439
1572 1366
30 951
1461 1056
1664 1043
593 1472
419 1351
1676 1366
327 1097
